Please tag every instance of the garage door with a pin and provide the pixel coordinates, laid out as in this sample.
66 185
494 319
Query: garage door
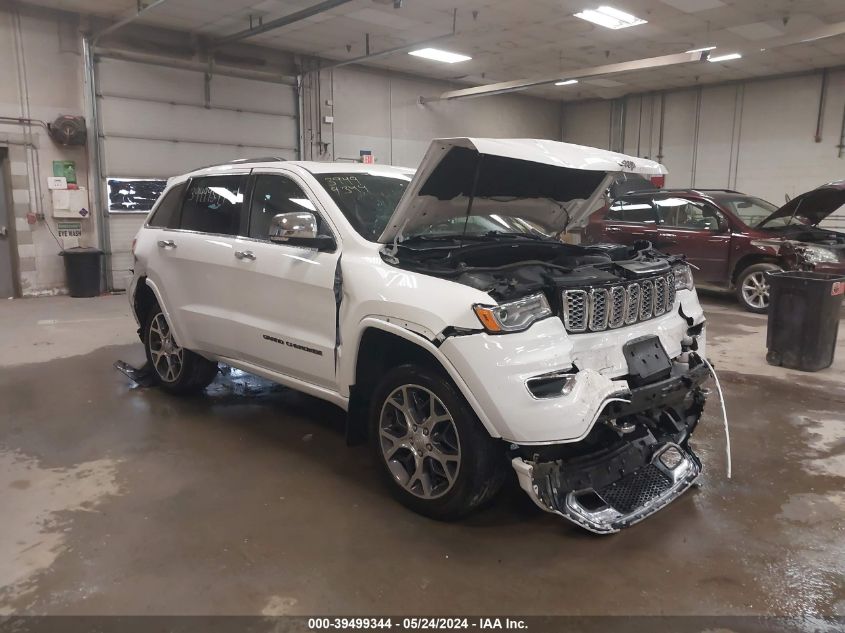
158 122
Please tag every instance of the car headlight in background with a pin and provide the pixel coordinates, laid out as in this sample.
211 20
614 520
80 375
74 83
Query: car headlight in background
513 316
683 277
818 255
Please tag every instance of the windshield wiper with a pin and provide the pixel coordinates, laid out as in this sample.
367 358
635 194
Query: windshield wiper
529 236
447 237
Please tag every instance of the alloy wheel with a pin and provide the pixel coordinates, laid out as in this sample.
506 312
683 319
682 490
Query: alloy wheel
419 441
755 290
167 356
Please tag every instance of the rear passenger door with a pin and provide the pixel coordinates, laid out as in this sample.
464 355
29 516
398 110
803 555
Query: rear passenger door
193 267
629 220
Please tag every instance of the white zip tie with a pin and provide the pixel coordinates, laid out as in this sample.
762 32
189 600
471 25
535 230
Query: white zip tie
724 413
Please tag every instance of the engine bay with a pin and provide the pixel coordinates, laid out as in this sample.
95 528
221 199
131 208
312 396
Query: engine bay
508 268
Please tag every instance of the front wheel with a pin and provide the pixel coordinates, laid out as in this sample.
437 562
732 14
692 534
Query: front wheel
176 370
433 452
752 287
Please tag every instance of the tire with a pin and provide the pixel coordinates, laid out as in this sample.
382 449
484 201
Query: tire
750 283
446 468
176 370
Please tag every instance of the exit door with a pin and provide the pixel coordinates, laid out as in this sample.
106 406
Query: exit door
7 275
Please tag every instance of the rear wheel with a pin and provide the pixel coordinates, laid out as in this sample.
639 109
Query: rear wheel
175 369
752 287
435 455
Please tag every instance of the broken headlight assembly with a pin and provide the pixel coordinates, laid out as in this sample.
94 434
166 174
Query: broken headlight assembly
818 255
683 277
513 316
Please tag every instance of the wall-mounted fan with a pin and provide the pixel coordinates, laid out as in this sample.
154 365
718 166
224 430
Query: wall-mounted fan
68 130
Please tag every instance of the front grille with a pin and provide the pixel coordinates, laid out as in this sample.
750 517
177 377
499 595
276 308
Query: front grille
635 490
597 309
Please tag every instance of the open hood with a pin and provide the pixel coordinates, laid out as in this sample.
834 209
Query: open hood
548 183
813 206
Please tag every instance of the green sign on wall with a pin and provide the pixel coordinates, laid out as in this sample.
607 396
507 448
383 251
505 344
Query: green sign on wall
66 169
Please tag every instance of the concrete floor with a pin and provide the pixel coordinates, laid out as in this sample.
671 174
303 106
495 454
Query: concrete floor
120 500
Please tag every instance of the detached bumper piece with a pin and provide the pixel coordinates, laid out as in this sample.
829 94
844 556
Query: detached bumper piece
621 503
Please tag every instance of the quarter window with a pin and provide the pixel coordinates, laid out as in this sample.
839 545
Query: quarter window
166 214
272 195
213 205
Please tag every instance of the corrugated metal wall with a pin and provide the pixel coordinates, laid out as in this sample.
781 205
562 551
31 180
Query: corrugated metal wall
159 122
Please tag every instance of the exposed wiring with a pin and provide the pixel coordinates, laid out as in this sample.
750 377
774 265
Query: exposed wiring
724 413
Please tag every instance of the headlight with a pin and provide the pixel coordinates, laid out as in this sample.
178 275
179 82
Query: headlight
817 255
683 277
514 316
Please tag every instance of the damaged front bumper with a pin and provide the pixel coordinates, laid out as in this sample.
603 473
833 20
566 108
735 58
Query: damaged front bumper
626 501
636 461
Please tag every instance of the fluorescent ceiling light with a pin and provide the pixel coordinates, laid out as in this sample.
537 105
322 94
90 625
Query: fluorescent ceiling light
440 56
700 50
566 82
724 58
610 18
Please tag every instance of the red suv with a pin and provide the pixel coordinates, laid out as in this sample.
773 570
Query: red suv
732 239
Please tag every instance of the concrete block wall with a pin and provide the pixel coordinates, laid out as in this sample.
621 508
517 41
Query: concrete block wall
381 112
757 136
40 79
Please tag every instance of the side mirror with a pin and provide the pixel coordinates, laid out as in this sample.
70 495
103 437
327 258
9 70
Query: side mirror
298 228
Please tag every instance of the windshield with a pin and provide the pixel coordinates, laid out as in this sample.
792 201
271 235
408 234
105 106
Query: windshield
752 211
475 225
367 199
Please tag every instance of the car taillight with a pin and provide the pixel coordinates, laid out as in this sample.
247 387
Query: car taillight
658 181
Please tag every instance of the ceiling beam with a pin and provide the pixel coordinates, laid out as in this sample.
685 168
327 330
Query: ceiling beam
320 7
396 49
581 73
129 18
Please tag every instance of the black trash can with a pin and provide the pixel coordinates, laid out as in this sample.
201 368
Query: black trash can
804 311
84 270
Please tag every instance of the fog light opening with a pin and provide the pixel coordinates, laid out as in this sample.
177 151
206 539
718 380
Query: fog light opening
671 458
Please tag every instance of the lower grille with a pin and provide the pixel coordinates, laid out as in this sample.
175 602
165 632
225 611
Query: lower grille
635 490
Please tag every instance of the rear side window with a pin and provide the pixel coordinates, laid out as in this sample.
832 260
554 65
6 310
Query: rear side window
637 211
213 204
166 215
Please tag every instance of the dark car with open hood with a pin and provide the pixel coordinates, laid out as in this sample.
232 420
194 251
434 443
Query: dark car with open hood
731 239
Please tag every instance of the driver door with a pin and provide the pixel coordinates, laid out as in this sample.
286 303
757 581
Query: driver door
288 310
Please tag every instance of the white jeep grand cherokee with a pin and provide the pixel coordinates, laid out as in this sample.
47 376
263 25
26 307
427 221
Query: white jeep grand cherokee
444 314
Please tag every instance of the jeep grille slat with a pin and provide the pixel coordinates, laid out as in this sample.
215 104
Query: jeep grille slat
595 309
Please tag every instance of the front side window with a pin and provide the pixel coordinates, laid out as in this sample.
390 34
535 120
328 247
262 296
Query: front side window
367 199
273 195
166 215
750 210
213 204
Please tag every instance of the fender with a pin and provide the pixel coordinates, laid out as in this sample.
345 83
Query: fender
385 324
177 334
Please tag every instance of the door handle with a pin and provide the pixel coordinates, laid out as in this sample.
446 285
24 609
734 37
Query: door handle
245 255
166 244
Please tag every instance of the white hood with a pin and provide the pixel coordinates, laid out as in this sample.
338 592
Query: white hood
553 184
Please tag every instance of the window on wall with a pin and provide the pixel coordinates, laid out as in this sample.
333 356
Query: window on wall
133 195
213 205
275 194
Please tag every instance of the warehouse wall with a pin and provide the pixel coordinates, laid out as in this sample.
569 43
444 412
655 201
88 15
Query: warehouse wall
381 112
40 78
757 137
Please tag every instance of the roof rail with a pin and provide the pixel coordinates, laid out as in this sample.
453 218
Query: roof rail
260 159
716 189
